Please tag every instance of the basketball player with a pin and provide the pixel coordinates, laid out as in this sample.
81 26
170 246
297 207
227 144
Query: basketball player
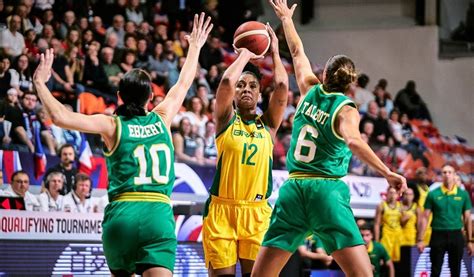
410 215
314 199
388 219
138 226
237 214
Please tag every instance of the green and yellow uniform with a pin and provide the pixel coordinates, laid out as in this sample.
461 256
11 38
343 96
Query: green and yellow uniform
377 253
237 214
392 234
409 229
138 227
314 199
447 208
423 191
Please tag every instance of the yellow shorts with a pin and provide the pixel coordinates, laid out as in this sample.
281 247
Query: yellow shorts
232 230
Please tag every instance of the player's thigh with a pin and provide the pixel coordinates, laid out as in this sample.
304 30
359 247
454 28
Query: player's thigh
354 261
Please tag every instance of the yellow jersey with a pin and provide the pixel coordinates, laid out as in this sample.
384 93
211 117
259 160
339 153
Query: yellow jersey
423 193
391 217
244 154
409 230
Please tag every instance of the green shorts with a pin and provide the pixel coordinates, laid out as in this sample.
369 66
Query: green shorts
139 235
313 206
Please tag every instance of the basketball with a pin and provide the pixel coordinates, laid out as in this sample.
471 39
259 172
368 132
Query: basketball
254 36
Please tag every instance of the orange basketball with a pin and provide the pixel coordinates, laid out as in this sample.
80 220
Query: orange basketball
254 36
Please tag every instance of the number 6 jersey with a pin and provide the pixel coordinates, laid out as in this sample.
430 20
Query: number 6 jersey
244 154
142 159
316 148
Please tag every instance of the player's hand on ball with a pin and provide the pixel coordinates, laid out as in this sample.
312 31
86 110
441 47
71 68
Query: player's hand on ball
273 38
281 8
201 30
245 51
43 71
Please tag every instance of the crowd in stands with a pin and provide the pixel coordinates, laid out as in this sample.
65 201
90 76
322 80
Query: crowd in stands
96 43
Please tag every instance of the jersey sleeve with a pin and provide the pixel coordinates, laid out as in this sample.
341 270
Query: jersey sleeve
384 254
429 201
467 202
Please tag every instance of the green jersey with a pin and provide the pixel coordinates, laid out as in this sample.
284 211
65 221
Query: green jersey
315 147
377 253
142 159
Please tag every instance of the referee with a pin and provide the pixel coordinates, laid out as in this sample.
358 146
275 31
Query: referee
451 207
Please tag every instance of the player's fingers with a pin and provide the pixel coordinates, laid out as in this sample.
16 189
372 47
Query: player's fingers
201 20
195 23
206 24
293 7
209 29
272 4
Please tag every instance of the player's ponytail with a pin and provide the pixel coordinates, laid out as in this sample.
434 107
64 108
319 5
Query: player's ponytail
134 90
340 74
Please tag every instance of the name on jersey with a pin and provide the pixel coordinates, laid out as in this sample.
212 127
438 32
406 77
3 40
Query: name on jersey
316 114
138 131
240 133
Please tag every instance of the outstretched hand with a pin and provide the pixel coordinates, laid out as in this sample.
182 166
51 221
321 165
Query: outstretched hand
201 30
281 8
43 71
274 39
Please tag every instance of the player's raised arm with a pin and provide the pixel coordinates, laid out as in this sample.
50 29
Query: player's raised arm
279 98
62 117
226 90
175 97
303 71
348 127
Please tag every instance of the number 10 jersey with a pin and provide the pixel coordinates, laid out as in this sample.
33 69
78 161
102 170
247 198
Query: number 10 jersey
316 148
142 159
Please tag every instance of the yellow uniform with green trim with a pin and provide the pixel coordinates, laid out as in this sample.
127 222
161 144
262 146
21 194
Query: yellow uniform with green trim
138 226
392 234
314 199
237 214
409 229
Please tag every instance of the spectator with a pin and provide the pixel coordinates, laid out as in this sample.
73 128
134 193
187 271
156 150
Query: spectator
20 184
111 40
76 64
210 147
44 128
202 92
387 220
362 95
7 106
134 12
95 78
410 215
396 127
98 29
290 109
128 61
381 132
188 146
68 24
118 29
12 40
160 34
196 114
211 53
30 44
78 200
213 78
63 136
142 54
451 208
112 70
409 101
377 253
48 32
157 66
407 130
382 100
73 39
66 166
51 199
22 75
6 80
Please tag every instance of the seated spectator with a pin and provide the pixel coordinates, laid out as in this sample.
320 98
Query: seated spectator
30 44
210 109
213 78
98 29
382 98
76 64
68 24
48 32
407 130
51 199
211 53
196 114
409 101
45 130
64 136
142 54
22 74
363 96
118 29
20 184
12 41
78 200
157 66
128 61
210 147
381 132
377 253
111 40
72 40
160 34
66 166
95 78
112 70
6 80
130 42
188 146
203 93
134 12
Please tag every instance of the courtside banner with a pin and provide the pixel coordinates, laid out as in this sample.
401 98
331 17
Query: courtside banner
25 225
366 190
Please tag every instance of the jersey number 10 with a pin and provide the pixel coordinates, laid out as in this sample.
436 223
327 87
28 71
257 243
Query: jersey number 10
158 176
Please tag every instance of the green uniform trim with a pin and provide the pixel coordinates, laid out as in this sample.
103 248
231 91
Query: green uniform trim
377 253
334 117
231 121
